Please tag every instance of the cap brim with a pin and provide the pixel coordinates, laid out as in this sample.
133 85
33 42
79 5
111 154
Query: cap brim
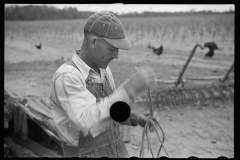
123 44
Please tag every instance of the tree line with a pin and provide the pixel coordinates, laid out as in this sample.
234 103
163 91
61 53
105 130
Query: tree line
44 12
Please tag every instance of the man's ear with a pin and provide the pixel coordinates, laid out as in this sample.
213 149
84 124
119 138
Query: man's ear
93 42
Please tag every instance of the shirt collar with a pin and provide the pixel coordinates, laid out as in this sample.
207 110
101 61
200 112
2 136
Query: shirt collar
84 68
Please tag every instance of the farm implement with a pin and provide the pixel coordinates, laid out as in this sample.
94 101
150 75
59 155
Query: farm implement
176 96
221 89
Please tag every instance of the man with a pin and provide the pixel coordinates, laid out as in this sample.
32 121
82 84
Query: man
83 92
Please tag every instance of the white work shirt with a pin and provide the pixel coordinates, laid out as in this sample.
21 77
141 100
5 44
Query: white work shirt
74 107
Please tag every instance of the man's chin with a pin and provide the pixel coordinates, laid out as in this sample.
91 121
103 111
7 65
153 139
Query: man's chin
104 67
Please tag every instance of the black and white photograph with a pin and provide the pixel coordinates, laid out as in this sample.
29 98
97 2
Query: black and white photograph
119 80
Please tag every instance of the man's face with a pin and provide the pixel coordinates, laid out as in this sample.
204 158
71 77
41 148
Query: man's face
104 53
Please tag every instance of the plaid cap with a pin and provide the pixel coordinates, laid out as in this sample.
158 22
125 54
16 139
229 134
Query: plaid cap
109 27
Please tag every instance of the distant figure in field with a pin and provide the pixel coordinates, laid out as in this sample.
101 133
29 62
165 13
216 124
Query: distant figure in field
157 51
38 46
212 46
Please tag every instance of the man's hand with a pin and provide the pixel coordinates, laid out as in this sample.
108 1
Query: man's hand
142 120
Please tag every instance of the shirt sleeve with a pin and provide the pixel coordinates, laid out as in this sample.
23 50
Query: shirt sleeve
80 104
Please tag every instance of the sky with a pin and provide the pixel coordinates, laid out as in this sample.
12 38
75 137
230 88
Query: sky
126 8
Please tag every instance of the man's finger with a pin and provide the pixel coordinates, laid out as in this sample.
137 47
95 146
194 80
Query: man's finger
155 114
156 118
146 114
